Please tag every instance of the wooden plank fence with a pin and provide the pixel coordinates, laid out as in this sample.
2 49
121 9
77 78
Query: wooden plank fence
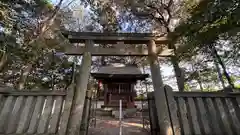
38 112
200 113
153 114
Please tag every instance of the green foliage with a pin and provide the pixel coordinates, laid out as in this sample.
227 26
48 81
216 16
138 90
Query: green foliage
104 14
187 87
209 19
20 25
140 97
237 86
210 22
209 89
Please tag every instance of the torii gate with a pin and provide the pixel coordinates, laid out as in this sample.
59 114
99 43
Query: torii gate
155 48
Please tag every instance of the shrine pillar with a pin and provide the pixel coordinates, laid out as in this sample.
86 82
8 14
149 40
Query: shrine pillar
132 96
159 93
80 91
105 93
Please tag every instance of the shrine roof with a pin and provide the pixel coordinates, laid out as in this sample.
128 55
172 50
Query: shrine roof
119 70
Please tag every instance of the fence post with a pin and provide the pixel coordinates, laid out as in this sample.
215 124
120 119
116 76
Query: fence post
153 114
120 117
67 110
159 93
173 111
86 110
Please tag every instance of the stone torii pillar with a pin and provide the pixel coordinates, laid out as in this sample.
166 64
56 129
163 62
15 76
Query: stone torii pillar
80 91
159 93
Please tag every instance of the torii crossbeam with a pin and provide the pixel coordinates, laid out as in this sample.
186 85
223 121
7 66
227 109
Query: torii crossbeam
114 38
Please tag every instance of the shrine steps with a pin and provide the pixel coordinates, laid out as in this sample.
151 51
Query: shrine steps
126 113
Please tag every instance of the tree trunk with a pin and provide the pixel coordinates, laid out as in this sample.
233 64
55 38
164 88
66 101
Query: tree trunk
198 73
103 58
24 74
3 61
219 73
103 63
177 70
215 54
200 83
49 21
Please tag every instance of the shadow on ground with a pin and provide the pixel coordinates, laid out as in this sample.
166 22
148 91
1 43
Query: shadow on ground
110 126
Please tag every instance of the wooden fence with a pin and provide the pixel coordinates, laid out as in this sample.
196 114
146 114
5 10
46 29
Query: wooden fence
26 112
200 113
153 114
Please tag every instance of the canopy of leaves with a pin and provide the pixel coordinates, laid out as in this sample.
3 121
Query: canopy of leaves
209 20
201 24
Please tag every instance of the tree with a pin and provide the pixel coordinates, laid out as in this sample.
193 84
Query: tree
162 15
18 19
28 40
208 23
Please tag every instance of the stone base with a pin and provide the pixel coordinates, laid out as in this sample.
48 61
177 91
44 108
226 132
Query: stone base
117 106
104 112
114 111
113 106
125 113
116 114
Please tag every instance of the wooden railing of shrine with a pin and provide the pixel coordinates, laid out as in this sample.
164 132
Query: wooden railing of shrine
199 113
35 112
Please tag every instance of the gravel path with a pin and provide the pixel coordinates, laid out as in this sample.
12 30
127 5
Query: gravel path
110 126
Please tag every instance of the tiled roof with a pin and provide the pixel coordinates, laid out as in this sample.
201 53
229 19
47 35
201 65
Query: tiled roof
119 69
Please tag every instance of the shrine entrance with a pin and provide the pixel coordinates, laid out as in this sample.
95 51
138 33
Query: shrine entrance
117 82
118 109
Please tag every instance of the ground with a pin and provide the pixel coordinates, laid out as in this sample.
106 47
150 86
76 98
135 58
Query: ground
110 126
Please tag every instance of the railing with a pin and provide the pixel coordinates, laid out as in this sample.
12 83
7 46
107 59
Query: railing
200 113
37 112
153 114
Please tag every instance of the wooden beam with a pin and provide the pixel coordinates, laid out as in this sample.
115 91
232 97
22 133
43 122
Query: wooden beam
206 94
113 38
99 51
33 93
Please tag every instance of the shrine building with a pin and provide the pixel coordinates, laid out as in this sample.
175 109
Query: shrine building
118 81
